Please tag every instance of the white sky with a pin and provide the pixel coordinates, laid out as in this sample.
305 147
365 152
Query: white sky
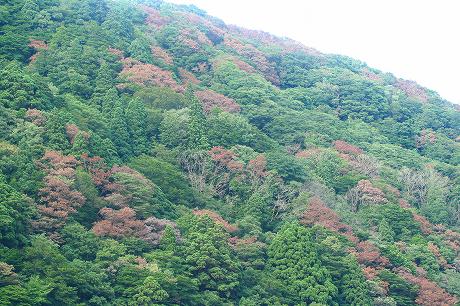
413 39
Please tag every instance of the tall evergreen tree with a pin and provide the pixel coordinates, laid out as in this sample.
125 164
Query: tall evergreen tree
136 119
119 131
293 259
197 128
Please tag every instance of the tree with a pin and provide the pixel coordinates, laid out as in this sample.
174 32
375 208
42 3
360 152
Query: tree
20 89
318 213
208 257
385 231
140 49
119 223
55 130
136 120
197 127
211 99
43 259
16 211
58 198
293 259
150 292
365 194
119 131
428 191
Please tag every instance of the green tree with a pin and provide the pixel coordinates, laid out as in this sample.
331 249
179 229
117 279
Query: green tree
140 49
149 293
16 211
293 259
119 132
208 257
197 128
136 120
386 233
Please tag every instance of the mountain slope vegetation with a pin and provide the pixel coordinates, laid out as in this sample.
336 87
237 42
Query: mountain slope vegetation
150 154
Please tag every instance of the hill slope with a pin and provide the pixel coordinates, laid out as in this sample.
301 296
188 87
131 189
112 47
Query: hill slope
150 154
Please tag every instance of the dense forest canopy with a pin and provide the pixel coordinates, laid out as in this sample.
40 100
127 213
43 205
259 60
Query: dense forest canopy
150 154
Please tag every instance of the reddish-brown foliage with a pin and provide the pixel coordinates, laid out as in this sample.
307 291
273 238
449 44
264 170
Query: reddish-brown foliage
344 147
38 45
286 44
236 241
370 273
35 116
293 149
364 193
216 218
119 223
368 254
194 39
256 168
214 32
412 89
71 131
426 137
98 169
154 17
235 60
429 294
58 198
187 77
403 203
308 153
160 53
156 229
116 52
319 213
425 225
255 56
148 74
211 99
371 75
225 158
433 248
54 163
452 239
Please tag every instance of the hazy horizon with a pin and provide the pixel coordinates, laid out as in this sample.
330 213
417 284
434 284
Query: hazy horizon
414 40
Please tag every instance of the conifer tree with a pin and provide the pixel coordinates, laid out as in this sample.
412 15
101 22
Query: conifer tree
198 138
386 233
136 119
293 259
119 131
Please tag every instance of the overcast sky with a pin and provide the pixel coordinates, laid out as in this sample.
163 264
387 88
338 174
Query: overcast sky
414 39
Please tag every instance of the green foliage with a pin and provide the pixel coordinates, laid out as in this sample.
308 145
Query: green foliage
21 89
400 290
153 154
16 211
400 221
286 166
208 257
226 129
168 177
293 259
136 120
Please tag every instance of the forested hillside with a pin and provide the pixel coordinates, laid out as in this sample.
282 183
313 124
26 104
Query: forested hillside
150 154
